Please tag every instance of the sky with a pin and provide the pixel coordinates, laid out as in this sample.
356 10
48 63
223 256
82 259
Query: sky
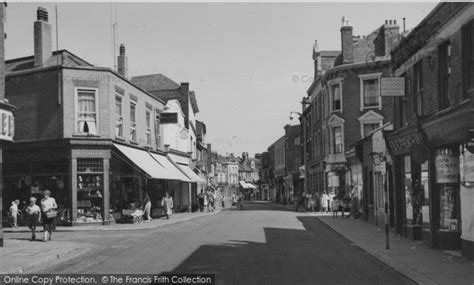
250 64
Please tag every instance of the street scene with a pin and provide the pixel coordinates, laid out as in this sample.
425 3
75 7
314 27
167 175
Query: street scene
236 143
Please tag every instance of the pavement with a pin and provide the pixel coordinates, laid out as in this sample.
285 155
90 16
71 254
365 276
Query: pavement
411 258
121 227
20 255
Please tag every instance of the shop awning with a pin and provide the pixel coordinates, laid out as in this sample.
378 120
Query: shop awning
155 165
191 174
171 170
243 184
247 185
143 160
251 186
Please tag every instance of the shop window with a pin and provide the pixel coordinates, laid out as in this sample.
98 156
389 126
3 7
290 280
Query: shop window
148 126
133 122
118 116
86 116
336 97
447 180
90 190
408 189
425 189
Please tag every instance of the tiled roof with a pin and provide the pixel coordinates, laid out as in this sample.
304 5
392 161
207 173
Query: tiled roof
154 82
327 59
63 57
194 104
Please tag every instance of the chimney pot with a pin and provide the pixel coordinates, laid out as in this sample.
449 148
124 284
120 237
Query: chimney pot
122 62
41 14
122 49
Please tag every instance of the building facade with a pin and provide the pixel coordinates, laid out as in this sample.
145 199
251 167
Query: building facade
432 139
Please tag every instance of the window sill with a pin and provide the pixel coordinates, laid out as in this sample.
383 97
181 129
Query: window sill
133 142
370 107
119 138
85 135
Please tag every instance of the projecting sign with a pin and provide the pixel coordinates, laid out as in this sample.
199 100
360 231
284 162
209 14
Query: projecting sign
7 125
470 140
392 86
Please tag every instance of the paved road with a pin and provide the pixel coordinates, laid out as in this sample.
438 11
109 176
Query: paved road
263 244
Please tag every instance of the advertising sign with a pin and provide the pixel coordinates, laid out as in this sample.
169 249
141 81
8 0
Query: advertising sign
447 168
7 127
392 86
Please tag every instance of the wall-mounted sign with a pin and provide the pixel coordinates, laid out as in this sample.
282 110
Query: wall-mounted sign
470 140
467 167
392 86
7 125
404 144
447 168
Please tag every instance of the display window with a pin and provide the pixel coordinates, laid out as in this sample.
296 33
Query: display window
447 180
408 190
90 189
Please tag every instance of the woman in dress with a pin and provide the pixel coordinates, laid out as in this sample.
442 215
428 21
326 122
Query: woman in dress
167 202
147 207
48 210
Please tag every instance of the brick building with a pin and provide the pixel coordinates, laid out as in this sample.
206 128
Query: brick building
87 134
345 105
431 144
293 152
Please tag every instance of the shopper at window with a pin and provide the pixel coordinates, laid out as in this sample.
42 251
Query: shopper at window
48 209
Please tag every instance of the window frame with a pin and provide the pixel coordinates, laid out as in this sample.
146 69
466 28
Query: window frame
133 123
331 84
118 118
467 55
366 77
157 128
418 92
76 110
333 139
148 136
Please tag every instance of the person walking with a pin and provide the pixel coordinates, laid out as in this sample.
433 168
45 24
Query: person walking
201 198
311 202
34 216
325 202
167 202
300 202
210 205
240 201
147 207
14 213
48 210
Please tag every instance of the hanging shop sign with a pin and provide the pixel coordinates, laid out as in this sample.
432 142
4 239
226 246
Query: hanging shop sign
447 168
467 167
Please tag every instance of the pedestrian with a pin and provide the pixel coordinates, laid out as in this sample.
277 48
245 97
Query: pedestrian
34 216
14 213
48 209
240 200
201 198
325 202
210 205
311 202
300 202
206 201
234 199
147 207
167 202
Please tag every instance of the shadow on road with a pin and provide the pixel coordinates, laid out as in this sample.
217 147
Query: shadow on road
315 255
264 206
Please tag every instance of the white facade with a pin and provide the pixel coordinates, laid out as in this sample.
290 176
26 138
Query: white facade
175 135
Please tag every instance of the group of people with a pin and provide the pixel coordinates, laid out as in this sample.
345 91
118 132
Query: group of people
237 200
207 200
36 214
167 203
308 201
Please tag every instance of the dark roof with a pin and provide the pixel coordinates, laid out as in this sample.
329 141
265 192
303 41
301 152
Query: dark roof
63 57
328 57
154 82
192 97
167 95
200 127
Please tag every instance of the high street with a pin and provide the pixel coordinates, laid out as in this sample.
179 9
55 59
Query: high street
263 244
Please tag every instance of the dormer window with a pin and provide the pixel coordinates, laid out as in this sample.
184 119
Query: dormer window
86 111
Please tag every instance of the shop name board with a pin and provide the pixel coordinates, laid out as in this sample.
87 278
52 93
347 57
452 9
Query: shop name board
7 125
447 168
392 86
405 143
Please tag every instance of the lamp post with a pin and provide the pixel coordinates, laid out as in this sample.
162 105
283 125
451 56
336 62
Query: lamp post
304 121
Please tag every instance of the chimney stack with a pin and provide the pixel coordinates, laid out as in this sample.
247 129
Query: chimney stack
316 59
391 35
43 42
122 61
347 44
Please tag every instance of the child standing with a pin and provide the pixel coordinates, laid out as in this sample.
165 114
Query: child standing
34 215
14 213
